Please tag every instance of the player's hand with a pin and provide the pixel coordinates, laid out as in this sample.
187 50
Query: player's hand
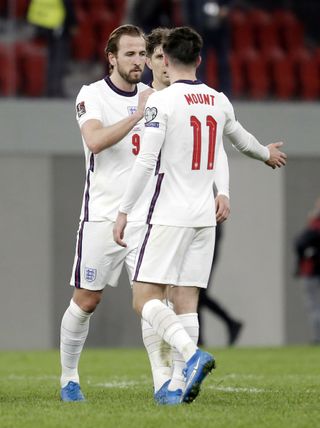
143 96
277 158
222 208
118 229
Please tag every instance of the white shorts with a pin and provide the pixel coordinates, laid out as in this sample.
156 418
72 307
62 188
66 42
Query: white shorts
98 259
175 255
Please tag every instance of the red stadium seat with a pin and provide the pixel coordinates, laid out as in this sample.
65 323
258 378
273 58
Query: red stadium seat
309 77
33 66
237 74
283 73
211 69
241 32
256 67
14 8
268 37
103 23
83 44
9 83
258 18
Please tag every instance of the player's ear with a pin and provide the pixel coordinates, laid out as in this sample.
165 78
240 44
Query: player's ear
199 60
148 62
112 59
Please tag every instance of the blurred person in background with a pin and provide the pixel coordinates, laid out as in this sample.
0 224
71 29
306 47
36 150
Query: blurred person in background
149 14
55 21
307 247
210 19
233 325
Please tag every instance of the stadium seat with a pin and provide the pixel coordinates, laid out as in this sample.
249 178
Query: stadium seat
256 68
83 42
283 74
241 32
309 77
9 78
237 75
103 23
268 37
258 18
32 60
211 69
14 8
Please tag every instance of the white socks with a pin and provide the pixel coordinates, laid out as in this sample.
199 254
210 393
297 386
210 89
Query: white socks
74 331
191 325
159 353
168 326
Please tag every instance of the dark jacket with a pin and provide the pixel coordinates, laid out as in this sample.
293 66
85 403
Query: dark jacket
307 248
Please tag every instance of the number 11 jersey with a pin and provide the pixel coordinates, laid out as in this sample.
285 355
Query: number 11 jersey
192 118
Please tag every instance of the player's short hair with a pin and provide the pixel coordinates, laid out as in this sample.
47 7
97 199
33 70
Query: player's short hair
183 45
113 41
156 38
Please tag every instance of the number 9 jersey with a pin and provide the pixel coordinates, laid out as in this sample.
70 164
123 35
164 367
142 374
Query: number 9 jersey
108 171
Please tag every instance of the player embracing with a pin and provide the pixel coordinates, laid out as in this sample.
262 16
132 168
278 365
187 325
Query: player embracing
109 114
184 127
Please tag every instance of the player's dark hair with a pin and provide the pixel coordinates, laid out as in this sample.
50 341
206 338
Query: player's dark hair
156 38
113 41
183 45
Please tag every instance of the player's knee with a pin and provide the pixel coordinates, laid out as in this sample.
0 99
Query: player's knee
87 300
137 304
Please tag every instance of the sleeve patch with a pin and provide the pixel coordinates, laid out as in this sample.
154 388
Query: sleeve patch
152 124
150 114
81 109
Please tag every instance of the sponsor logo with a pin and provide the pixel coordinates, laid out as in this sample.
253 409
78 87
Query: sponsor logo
150 113
194 371
81 109
152 125
90 274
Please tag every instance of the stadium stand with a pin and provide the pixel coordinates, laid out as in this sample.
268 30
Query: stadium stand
270 58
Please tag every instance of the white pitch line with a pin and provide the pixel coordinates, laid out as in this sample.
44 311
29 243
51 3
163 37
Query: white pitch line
236 389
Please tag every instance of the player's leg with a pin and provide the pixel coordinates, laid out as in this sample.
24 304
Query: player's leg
74 332
185 304
147 302
311 286
97 263
157 263
194 274
159 351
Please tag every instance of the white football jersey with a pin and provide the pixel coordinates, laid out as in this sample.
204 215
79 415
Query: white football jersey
108 171
189 118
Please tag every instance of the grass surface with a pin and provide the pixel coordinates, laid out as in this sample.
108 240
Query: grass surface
256 387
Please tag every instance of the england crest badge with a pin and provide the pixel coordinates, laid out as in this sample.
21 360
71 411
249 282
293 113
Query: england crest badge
90 274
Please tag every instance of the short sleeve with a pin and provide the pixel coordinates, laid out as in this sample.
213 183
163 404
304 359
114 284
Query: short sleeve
87 105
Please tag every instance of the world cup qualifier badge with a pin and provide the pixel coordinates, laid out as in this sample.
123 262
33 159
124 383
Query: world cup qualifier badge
81 109
90 274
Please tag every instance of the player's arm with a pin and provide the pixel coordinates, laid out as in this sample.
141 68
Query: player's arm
222 199
250 146
144 166
98 137
246 143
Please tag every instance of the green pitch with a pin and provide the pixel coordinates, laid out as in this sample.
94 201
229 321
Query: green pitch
251 388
